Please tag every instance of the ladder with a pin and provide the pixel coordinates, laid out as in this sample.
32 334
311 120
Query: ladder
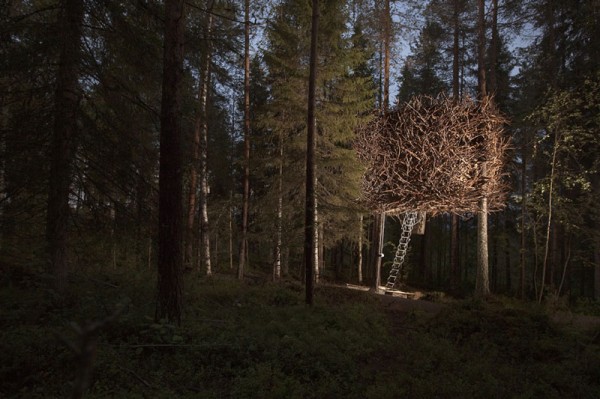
410 219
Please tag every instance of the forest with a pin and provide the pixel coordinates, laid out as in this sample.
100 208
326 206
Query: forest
185 204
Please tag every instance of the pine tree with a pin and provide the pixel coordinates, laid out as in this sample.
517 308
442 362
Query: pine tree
63 143
342 96
170 216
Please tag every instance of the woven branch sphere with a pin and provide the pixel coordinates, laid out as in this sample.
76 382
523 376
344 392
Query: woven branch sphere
436 155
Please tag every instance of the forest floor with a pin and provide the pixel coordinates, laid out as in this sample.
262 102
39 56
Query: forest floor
240 340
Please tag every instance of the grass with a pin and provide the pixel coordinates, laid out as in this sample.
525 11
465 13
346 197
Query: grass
240 341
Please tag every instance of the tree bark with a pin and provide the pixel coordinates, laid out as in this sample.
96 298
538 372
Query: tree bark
360 248
65 131
378 235
454 223
202 121
507 262
246 195
316 247
597 271
279 239
379 219
494 49
170 212
387 39
311 144
549 221
482 283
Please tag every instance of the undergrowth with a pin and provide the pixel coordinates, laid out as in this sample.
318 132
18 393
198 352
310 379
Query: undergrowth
240 341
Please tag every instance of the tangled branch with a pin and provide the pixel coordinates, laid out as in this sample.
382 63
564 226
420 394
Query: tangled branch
436 155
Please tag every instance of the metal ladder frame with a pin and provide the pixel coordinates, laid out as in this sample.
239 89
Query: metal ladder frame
409 221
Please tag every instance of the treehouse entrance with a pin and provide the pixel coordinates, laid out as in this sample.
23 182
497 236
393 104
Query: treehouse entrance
408 223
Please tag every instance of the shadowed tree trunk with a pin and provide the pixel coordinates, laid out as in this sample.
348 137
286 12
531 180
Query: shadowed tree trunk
311 144
523 252
454 223
246 198
360 248
170 205
279 240
63 146
387 39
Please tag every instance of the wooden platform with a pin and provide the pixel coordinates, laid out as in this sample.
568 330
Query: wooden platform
398 293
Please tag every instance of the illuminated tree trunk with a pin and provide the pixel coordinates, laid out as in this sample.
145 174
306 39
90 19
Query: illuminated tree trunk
202 122
170 206
482 282
64 134
379 220
454 223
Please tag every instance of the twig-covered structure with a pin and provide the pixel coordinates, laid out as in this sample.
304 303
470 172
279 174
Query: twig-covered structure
434 154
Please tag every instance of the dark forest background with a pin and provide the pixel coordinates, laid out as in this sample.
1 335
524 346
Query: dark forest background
80 116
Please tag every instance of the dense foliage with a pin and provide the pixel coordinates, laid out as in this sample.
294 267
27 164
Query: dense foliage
261 341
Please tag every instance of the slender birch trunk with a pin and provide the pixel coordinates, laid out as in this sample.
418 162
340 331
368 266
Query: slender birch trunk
202 122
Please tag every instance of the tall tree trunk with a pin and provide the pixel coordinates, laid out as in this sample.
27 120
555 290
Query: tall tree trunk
360 248
549 220
64 134
230 229
454 223
597 270
170 206
507 263
246 195
379 219
316 247
198 145
494 43
311 144
495 256
523 251
596 184
482 282
387 39
425 254
202 120
377 253
320 252
278 249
